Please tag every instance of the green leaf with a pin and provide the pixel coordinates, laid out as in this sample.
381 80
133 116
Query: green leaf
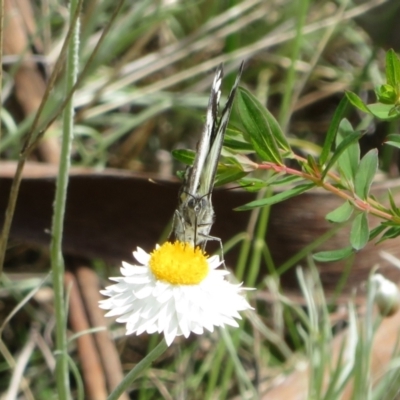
366 173
312 165
357 102
227 175
277 198
376 231
252 184
386 94
340 214
238 145
280 180
184 156
359 233
392 68
340 112
180 175
333 255
350 158
385 112
395 111
234 127
350 138
237 160
232 168
391 233
393 206
393 140
262 128
230 171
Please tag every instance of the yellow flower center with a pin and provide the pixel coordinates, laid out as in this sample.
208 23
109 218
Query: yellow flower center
179 263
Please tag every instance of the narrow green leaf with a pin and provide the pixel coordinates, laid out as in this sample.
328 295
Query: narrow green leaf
227 175
184 156
393 206
359 233
357 102
366 173
312 164
350 138
373 233
391 233
350 158
393 140
252 184
280 180
392 68
234 127
340 214
238 160
333 255
238 145
277 198
339 114
262 128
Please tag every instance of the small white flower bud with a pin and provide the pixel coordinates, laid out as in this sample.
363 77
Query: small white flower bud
387 297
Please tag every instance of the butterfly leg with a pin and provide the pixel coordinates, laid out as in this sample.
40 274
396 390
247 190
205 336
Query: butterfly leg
208 237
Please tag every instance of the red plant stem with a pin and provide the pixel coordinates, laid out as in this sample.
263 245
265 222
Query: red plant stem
363 205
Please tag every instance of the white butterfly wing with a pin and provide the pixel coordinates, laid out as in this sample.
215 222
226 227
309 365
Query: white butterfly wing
210 168
203 147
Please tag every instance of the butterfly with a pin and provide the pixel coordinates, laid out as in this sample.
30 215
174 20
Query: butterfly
195 215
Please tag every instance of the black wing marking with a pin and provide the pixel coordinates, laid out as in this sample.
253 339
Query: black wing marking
217 140
203 147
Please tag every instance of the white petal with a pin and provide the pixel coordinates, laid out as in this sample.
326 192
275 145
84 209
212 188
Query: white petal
214 262
169 336
131 270
141 256
143 292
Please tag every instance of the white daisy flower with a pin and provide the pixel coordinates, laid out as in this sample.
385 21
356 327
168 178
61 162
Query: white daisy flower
176 290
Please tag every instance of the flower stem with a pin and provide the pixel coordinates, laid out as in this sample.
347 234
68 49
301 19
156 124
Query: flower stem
57 262
140 367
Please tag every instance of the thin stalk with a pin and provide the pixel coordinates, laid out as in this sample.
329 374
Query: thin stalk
252 274
86 67
246 245
215 371
259 244
140 368
243 257
143 392
284 115
30 143
57 262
